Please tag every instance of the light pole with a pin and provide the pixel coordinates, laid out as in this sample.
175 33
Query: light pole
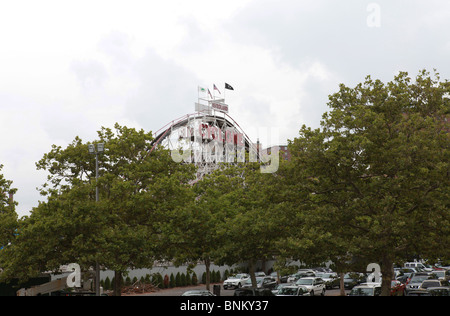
100 150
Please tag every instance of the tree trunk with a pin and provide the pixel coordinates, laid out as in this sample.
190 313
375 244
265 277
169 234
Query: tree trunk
208 273
263 265
341 283
117 283
387 275
251 270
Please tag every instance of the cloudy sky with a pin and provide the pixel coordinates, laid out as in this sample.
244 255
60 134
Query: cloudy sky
68 67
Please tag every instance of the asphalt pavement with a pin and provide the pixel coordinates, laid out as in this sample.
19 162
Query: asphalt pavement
178 291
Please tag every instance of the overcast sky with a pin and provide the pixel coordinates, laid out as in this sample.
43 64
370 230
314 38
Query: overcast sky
67 68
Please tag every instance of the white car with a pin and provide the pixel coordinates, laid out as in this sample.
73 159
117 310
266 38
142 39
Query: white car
313 284
293 290
366 289
235 281
418 265
331 279
302 273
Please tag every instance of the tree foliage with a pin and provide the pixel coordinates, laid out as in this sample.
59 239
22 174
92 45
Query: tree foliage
137 190
370 185
378 168
8 216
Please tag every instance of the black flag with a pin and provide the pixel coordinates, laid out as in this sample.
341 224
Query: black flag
227 86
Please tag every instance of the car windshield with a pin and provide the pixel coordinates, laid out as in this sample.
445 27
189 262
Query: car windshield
419 279
288 291
238 276
326 275
258 281
305 281
350 276
361 292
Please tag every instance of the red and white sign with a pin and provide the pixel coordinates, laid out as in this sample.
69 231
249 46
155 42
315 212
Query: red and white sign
222 107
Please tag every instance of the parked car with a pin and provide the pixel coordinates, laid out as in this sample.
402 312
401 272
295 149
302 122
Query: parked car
197 293
283 278
404 274
441 275
250 291
331 279
266 282
397 288
352 279
366 289
403 279
300 274
294 290
236 281
279 286
416 281
313 284
418 265
439 291
431 283
418 292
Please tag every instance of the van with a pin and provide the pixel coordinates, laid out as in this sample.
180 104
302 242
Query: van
417 265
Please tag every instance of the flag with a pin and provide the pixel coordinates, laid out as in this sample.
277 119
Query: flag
210 94
227 86
201 89
215 88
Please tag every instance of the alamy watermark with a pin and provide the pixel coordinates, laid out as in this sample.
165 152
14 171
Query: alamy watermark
375 275
374 17
74 279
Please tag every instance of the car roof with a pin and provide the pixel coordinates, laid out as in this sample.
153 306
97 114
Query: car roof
368 285
193 292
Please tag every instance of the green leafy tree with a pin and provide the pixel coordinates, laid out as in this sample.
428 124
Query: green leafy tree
121 231
250 223
191 229
8 216
378 171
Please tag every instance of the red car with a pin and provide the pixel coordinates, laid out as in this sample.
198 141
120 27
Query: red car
397 288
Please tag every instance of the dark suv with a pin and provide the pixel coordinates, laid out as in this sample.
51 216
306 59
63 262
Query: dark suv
251 291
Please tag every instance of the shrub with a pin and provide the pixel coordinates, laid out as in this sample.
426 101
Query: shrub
188 279
194 279
204 278
183 279
107 284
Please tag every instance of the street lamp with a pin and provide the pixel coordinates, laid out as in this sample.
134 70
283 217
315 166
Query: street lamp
100 150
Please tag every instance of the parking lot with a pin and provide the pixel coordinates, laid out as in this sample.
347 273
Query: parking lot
180 290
